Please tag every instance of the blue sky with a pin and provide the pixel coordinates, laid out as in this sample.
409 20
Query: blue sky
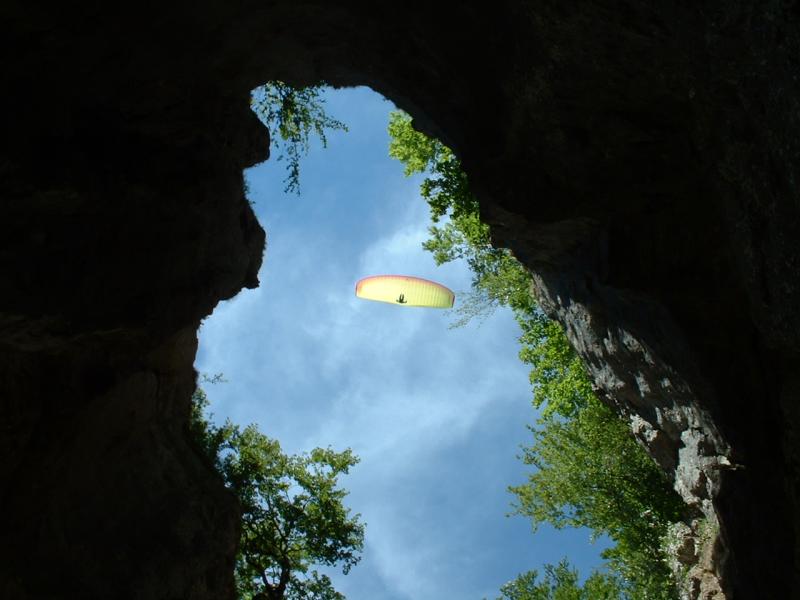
436 415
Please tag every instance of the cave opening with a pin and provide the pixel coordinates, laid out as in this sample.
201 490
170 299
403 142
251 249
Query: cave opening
639 160
437 414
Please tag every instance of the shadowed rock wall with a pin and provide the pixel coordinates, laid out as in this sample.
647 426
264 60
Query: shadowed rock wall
641 158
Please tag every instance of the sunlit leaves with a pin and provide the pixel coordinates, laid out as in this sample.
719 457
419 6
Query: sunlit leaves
446 189
292 115
590 472
560 582
560 383
415 150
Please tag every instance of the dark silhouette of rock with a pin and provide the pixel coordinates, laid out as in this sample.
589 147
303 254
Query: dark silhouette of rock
641 158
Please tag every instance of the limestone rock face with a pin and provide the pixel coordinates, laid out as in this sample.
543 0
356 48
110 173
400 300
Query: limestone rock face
640 158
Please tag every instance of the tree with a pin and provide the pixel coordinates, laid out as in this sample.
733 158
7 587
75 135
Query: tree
292 115
561 583
591 471
293 513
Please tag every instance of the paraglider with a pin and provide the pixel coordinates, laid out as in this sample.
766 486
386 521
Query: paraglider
405 290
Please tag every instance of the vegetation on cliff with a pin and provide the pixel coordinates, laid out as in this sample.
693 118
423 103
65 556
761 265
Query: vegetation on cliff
589 470
560 582
292 115
293 512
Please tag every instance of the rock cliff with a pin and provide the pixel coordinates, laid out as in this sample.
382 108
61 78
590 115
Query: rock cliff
641 158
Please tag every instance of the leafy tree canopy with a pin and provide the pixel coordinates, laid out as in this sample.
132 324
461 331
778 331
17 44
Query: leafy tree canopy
293 512
560 582
590 472
292 115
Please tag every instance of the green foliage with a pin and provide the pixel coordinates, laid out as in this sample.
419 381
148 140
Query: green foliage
590 470
497 276
448 190
559 379
292 115
293 513
561 583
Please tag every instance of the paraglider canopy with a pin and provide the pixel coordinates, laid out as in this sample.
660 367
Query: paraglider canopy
405 290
